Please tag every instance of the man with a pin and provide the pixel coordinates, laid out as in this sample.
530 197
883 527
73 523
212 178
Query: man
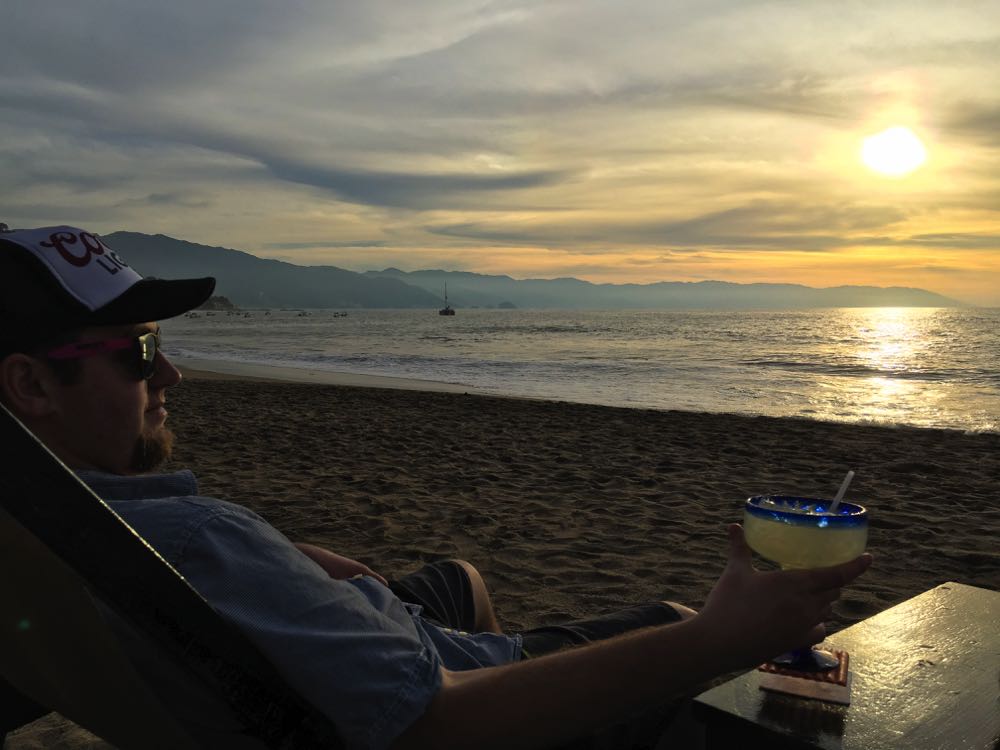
419 662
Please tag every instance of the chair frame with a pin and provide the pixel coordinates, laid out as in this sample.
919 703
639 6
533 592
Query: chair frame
81 549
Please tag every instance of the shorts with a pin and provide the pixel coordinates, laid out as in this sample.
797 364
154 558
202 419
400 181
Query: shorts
444 591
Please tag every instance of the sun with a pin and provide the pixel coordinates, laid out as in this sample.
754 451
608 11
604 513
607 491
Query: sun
894 152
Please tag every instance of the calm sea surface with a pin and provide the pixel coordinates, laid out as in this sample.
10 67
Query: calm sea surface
924 367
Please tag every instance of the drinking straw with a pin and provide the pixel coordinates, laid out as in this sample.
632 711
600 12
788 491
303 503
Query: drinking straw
841 491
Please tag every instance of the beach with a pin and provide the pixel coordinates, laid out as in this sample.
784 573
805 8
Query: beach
571 509
568 509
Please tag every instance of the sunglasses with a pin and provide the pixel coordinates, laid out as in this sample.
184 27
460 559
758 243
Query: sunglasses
145 346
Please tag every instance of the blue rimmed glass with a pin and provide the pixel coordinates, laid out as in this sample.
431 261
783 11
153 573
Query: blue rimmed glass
801 532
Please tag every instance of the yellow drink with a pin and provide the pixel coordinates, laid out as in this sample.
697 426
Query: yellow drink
800 532
805 543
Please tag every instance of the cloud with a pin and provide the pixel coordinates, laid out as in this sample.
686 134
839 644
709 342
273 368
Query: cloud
948 53
937 268
167 200
978 120
760 225
767 223
323 244
958 240
409 190
126 47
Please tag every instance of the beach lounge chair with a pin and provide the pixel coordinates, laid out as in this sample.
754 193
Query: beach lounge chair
88 608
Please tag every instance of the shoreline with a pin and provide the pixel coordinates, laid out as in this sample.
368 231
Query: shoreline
209 369
221 369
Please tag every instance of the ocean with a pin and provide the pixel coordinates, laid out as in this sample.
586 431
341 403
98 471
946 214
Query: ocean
921 367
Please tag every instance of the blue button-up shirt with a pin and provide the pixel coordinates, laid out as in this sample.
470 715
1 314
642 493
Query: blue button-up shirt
354 650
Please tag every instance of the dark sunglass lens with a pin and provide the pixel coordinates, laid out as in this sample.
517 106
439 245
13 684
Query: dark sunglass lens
148 346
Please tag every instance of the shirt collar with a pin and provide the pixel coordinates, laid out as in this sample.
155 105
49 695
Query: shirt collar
144 486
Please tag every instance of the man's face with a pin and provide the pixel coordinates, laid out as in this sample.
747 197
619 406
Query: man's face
111 419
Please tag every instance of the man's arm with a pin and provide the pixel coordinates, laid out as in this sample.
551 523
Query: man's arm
337 566
749 617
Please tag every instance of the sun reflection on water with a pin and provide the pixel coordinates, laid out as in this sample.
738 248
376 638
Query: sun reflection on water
885 396
889 338
887 358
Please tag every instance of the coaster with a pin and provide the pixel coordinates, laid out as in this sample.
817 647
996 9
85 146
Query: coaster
832 686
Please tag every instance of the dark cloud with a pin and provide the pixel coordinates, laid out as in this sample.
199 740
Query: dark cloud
411 190
323 244
978 120
957 240
623 236
132 47
761 225
168 200
938 269
777 219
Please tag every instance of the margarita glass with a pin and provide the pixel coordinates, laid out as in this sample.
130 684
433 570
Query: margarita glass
802 532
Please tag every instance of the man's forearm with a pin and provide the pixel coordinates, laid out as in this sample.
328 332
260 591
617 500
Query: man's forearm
554 698
749 616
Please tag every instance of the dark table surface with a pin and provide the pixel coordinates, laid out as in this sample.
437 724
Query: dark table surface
926 674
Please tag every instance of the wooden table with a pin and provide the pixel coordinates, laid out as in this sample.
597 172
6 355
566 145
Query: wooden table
926 675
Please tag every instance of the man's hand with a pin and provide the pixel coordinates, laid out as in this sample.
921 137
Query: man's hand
337 566
773 611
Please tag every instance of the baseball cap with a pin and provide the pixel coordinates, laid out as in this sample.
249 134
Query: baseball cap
55 279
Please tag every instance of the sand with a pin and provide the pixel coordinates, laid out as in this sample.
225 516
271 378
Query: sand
569 509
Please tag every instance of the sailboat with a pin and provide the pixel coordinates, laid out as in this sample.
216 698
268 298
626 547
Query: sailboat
447 309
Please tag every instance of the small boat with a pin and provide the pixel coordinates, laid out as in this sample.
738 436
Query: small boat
447 309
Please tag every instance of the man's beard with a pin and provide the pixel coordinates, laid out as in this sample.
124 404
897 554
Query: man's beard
151 451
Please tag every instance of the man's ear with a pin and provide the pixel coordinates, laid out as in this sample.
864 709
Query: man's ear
26 386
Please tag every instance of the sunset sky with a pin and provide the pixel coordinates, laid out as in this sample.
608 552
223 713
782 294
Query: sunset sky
628 141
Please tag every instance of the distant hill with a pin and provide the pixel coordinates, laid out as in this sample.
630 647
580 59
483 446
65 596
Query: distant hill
477 290
249 281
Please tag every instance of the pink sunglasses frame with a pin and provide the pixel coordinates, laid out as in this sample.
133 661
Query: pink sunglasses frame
81 349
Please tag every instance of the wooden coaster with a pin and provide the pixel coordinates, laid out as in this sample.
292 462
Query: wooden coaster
832 685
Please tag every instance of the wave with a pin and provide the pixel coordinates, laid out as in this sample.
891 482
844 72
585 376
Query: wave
974 377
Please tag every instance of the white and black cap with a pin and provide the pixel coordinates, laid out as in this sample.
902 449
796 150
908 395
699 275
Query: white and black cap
56 279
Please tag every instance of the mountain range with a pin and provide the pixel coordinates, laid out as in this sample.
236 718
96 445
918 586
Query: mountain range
254 282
